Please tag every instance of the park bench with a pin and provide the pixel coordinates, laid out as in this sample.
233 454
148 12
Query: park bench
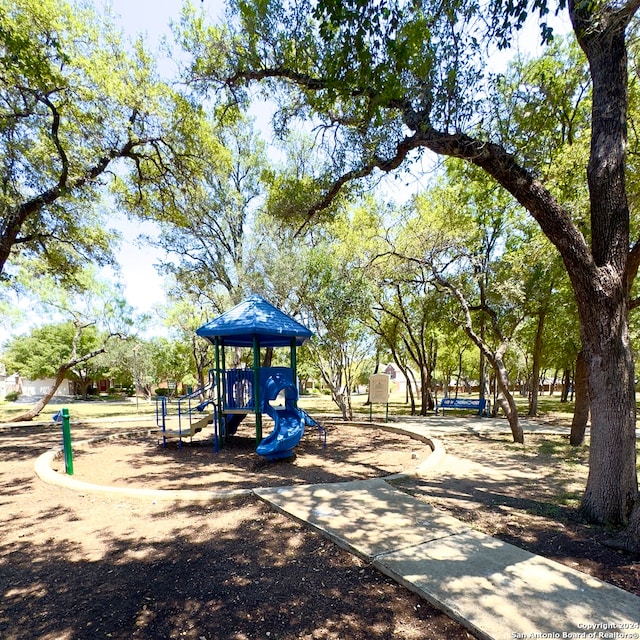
463 403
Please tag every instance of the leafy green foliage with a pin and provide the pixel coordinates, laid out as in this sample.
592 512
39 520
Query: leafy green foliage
205 239
545 105
40 353
172 361
80 113
334 298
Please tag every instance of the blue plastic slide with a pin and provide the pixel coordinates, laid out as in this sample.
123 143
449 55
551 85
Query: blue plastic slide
231 422
289 422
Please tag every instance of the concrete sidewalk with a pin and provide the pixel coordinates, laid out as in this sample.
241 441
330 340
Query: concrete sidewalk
496 590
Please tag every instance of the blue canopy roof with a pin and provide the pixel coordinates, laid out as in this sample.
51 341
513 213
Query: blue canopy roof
255 317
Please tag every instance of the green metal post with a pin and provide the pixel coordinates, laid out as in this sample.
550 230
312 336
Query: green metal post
66 440
256 388
294 366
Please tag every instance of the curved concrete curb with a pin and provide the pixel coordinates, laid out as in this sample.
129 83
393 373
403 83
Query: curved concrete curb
435 458
44 471
437 454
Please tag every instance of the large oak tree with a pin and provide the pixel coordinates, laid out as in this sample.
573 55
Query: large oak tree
382 81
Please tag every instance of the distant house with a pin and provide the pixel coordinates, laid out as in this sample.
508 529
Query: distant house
103 385
93 387
31 388
398 379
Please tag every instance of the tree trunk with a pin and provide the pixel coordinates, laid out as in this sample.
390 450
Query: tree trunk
433 361
510 409
426 401
84 388
537 358
44 401
482 372
629 539
340 398
581 410
566 383
459 375
552 388
602 288
411 384
198 358
268 357
343 401
612 486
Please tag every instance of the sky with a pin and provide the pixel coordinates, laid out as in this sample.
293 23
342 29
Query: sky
143 286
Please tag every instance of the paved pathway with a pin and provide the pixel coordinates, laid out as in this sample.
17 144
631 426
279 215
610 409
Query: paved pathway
496 590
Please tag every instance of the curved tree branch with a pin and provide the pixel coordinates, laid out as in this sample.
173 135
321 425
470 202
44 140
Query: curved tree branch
55 129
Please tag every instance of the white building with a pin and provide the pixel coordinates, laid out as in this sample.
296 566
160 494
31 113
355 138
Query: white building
31 388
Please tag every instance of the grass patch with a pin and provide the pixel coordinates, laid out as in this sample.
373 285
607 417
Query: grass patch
560 449
569 499
80 409
548 448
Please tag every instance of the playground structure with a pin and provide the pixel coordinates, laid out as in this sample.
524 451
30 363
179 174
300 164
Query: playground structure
232 394
194 412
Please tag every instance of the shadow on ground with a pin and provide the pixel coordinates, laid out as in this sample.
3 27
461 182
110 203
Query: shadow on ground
75 566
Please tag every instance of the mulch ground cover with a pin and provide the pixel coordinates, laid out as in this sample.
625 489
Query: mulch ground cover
83 565
77 566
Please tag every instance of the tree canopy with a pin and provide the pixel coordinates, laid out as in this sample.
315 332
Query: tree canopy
78 112
380 82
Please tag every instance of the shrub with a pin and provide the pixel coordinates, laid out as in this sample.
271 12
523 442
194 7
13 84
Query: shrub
12 396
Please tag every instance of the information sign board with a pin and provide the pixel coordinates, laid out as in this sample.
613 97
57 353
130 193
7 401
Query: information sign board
379 388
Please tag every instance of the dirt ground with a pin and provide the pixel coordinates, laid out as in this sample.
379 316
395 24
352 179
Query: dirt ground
351 453
83 565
